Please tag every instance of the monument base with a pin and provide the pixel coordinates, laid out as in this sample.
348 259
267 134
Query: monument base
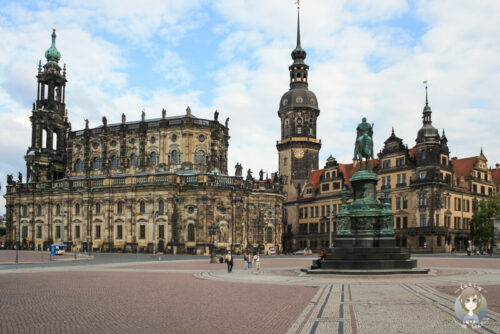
366 256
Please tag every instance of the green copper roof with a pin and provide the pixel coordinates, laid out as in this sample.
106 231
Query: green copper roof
52 54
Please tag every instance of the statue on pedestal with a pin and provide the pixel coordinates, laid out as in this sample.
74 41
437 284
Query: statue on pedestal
364 143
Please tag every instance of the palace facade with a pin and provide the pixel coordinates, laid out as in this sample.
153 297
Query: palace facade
432 195
136 185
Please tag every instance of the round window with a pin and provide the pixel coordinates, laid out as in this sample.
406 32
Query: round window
312 101
285 102
132 141
191 209
174 137
113 143
299 99
153 139
299 121
201 138
95 145
78 147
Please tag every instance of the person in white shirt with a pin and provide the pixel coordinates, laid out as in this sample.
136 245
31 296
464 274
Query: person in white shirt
256 260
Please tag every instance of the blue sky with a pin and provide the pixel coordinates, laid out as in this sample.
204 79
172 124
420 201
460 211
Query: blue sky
366 58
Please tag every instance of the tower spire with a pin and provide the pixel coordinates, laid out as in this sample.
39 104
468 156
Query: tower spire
426 98
52 54
298 70
427 109
298 24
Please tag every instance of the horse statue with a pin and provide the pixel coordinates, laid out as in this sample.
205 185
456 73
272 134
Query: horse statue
364 143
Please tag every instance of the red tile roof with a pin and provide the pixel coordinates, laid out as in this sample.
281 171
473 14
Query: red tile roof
463 167
349 169
411 152
495 173
314 178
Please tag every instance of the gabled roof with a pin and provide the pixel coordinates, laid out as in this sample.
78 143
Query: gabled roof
495 173
463 167
314 178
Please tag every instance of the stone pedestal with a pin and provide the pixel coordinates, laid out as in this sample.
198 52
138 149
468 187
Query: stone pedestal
365 234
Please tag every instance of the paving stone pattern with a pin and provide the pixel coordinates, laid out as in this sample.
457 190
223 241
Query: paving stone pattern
194 296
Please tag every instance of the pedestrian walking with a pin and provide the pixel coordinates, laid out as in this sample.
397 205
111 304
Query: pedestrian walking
256 260
245 260
229 260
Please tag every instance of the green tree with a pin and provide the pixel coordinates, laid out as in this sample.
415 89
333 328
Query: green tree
481 223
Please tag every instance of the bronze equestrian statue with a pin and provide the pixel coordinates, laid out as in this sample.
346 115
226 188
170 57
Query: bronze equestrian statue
364 143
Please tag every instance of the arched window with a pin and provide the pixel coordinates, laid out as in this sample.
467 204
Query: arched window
142 207
190 232
161 207
96 164
98 208
269 235
39 209
58 210
114 162
200 157
174 156
54 141
77 208
119 207
44 138
133 160
153 158
78 166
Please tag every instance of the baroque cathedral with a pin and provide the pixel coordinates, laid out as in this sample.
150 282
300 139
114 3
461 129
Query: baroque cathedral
139 185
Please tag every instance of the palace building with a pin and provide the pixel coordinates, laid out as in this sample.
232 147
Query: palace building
432 195
136 185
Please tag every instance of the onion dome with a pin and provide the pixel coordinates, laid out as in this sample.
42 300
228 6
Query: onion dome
52 54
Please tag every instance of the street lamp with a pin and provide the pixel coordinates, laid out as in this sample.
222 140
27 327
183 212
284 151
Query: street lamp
213 229
155 215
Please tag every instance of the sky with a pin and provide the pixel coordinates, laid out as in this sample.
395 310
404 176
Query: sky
366 58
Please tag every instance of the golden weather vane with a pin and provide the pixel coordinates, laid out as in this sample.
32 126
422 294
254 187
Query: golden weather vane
298 3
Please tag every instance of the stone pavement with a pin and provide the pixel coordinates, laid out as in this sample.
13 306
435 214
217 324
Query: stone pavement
26 256
188 296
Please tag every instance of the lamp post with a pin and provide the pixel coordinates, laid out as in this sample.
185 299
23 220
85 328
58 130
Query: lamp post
154 214
76 242
213 229
17 247
331 214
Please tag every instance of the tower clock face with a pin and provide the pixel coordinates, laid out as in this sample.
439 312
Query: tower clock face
299 153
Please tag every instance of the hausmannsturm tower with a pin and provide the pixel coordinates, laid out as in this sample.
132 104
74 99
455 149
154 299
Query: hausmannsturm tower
298 148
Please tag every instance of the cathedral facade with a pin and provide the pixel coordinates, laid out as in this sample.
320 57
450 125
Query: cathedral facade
136 185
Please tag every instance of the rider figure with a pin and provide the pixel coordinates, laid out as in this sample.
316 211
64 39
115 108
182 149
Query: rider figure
364 142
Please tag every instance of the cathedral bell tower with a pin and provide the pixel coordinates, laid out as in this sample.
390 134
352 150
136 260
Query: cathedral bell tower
298 110
46 157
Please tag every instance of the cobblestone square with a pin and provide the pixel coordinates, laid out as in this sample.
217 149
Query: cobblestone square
189 295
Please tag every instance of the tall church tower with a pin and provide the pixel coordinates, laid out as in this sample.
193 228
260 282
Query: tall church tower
46 157
298 110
